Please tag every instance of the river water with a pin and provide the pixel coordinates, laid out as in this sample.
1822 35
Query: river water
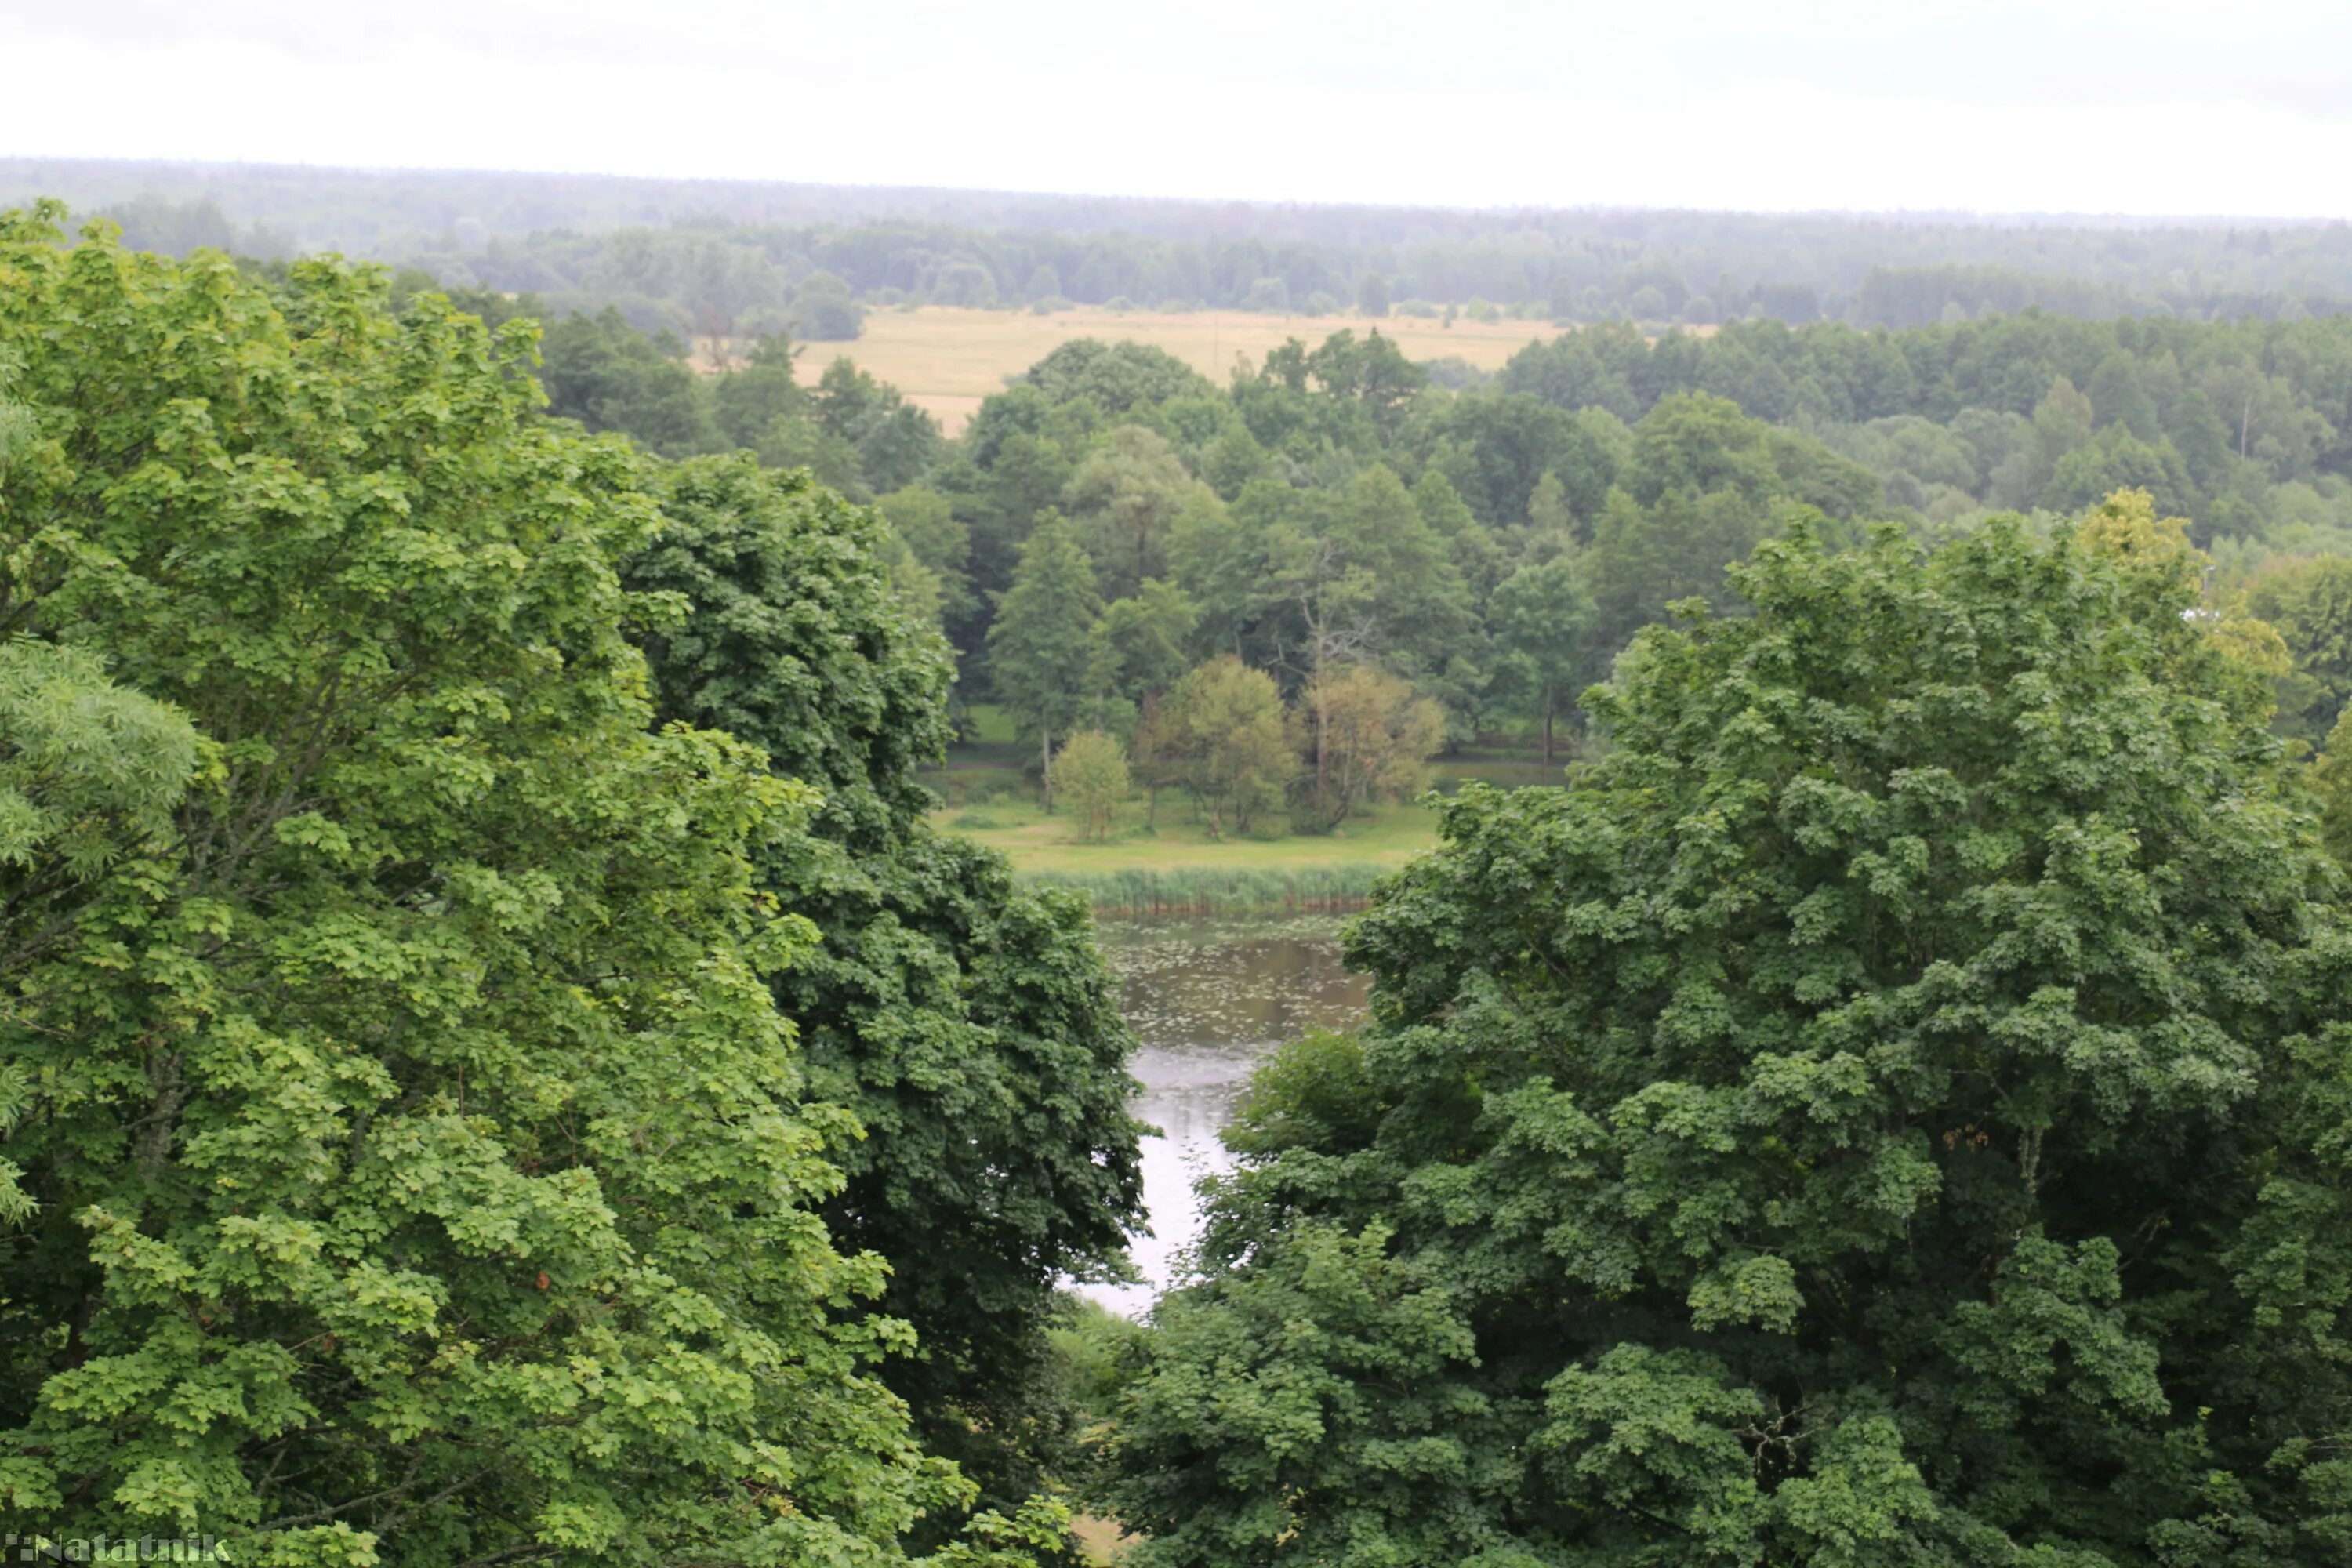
1208 996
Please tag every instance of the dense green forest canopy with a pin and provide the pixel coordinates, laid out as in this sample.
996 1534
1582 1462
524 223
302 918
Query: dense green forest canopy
705 255
1496 545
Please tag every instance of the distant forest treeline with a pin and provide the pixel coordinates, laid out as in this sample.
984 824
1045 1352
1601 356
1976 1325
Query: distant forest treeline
1114 520
700 255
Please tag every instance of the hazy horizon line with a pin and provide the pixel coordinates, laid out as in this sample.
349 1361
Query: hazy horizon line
2010 218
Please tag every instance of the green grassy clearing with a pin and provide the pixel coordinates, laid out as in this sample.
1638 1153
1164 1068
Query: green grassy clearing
1174 864
1178 866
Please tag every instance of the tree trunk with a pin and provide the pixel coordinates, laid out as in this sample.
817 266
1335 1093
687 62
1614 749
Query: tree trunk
1046 766
1322 784
1547 707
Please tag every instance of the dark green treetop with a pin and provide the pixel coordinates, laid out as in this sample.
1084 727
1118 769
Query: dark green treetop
1891 1110
970 1027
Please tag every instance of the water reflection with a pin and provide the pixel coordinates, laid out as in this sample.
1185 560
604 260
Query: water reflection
1208 995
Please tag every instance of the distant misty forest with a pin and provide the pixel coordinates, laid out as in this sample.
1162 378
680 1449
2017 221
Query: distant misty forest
703 257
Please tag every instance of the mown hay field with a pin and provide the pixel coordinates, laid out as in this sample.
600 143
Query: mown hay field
946 359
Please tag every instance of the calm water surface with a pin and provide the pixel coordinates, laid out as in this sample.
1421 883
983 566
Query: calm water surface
1208 995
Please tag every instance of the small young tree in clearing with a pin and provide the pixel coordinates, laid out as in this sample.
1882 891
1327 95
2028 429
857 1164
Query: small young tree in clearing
1377 731
1091 776
1221 734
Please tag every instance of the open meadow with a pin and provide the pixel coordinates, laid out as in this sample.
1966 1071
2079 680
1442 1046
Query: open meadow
945 359
1177 865
1048 845
1170 860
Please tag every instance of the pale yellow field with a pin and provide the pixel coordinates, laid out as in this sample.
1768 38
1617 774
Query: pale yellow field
947 359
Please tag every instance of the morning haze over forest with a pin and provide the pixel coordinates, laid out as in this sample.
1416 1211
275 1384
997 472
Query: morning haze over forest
1299 785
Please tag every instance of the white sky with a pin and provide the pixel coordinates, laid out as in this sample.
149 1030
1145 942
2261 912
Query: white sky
2139 106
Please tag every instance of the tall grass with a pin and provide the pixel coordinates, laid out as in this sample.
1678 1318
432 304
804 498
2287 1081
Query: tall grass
1206 890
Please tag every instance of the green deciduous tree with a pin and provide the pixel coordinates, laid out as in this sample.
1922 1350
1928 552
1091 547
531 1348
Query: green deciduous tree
2115 459
926 533
1541 615
749 400
1888 1110
1502 447
896 442
1090 775
89 770
969 1028
1115 377
1012 462
1148 635
424 1171
823 311
2063 421
1126 493
1372 732
1370 374
1705 484
91 774
1220 734
2197 433
608 375
1040 646
2118 394
2310 602
1414 604
2331 787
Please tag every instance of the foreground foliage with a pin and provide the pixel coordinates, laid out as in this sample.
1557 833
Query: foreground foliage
971 1027
1893 1109
406 1160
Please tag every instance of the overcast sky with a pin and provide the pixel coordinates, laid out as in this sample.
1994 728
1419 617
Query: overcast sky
2151 106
